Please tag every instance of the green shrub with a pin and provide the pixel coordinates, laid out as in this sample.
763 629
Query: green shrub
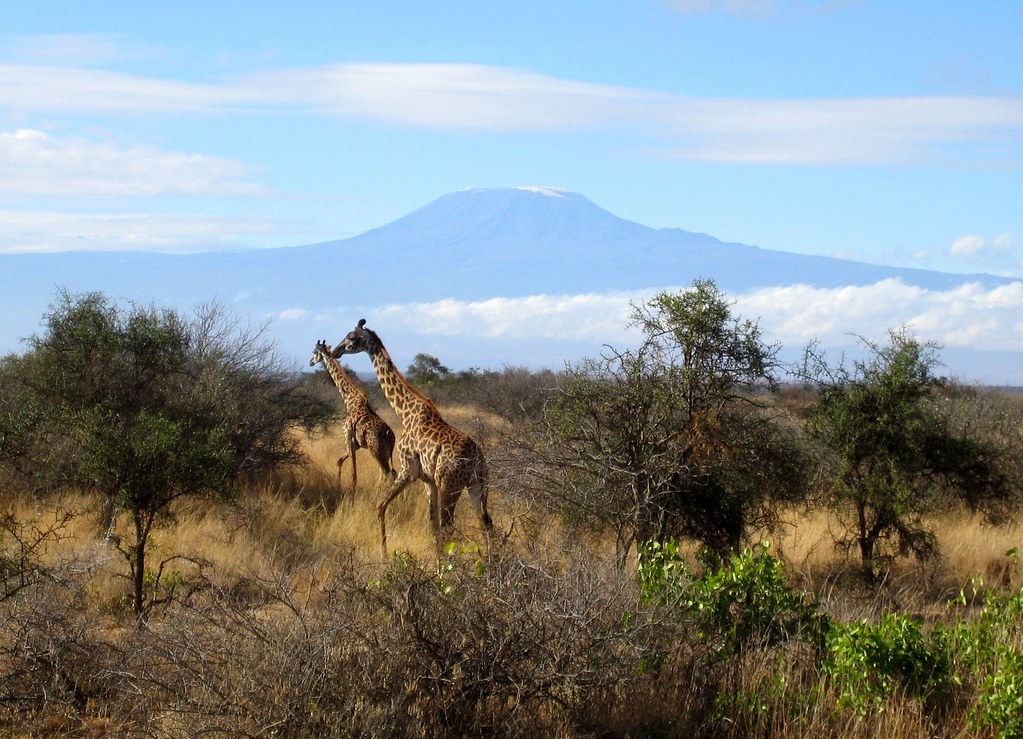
999 701
988 655
663 574
871 661
743 602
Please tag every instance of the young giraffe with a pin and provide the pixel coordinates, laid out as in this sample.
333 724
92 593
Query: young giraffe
430 449
362 427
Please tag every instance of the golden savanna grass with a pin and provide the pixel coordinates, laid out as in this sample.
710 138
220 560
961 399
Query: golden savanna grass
296 520
286 570
300 518
971 550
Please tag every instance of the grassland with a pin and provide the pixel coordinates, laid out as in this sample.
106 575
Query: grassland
281 620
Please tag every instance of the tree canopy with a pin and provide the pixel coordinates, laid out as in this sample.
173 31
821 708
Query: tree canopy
670 438
897 455
145 407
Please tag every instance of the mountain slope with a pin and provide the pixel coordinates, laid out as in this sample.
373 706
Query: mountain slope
474 244
469 245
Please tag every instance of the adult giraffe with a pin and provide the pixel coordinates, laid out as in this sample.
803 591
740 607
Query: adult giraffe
362 427
430 449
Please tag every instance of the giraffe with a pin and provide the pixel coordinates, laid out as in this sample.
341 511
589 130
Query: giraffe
445 459
362 428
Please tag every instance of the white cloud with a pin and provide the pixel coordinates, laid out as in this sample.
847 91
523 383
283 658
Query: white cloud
824 131
969 316
35 163
840 131
45 231
836 131
291 314
581 317
968 245
1000 254
26 88
452 96
976 245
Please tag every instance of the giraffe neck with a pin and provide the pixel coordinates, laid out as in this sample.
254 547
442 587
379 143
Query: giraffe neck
351 393
408 403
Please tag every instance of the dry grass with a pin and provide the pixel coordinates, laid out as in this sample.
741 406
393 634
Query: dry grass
303 518
975 550
287 637
295 521
971 549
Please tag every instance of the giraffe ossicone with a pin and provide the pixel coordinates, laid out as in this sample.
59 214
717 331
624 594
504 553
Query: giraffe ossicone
430 449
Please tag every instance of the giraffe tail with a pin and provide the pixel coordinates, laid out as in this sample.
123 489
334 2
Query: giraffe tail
484 488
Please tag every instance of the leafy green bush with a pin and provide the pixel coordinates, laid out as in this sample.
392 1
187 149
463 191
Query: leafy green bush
999 702
871 661
743 602
663 573
988 655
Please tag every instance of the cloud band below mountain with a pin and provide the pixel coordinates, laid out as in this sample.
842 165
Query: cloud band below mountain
969 316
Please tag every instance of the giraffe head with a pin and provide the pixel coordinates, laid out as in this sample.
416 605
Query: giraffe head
320 352
359 339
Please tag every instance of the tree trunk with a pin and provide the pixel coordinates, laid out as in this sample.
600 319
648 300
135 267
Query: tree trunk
139 566
644 523
645 512
867 539
106 520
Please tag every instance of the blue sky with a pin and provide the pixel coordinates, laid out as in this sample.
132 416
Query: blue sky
890 132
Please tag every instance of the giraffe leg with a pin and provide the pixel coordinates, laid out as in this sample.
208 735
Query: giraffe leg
385 463
340 478
435 511
403 481
449 496
382 454
350 445
385 450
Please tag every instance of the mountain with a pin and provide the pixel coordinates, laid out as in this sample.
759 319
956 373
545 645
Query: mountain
472 242
471 245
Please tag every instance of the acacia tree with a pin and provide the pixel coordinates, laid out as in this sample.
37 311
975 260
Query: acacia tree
674 437
426 369
146 408
896 455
